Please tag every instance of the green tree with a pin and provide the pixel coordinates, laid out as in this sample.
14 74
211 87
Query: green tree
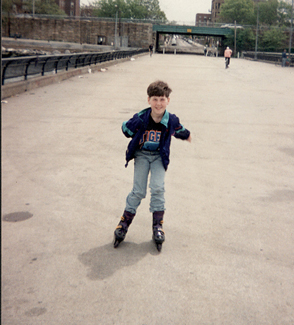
108 8
273 40
153 8
274 13
6 6
241 11
284 13
48 7
268 12
245 40
134 9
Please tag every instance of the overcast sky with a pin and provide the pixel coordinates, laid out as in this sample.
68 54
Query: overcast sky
184 10
179 10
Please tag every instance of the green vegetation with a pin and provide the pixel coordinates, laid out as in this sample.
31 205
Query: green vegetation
273 39
241 11
134 9
273 21
48 7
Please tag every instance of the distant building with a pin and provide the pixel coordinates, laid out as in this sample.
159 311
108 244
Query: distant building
203 19
60 4
215 9
206 19
70 7
86 11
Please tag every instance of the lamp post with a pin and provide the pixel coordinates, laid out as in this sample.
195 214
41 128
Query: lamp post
235 39
115 30
291 31
256 38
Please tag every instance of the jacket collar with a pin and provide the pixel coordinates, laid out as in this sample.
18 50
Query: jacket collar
164 119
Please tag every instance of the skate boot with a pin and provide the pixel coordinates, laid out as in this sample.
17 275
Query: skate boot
158 233
122 228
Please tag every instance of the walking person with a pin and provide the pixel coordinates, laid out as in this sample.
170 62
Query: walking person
150 49
228 54
284 58
205 50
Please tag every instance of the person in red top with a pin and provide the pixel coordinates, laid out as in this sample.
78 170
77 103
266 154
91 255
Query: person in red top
228 54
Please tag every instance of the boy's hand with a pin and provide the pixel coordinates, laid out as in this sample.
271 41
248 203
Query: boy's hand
190 138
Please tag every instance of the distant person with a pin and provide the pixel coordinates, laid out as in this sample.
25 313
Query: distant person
151 49
205 50
228 54
284 58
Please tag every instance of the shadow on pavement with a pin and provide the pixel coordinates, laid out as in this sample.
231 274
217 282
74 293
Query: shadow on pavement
105 260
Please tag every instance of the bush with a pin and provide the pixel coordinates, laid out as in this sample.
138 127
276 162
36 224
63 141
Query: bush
272 40
245 40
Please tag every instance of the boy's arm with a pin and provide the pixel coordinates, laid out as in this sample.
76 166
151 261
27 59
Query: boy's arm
182 133
126 131
129 128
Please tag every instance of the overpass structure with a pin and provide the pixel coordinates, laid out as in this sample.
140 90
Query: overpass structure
190 30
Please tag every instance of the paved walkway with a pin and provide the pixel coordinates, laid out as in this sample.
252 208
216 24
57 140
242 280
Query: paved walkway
228 256
9 42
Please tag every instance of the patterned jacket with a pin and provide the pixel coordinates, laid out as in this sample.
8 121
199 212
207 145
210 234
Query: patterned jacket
137 125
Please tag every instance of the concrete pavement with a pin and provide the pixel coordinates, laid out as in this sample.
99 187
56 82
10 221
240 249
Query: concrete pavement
228 256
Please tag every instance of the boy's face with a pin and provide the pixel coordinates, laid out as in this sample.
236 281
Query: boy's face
158 104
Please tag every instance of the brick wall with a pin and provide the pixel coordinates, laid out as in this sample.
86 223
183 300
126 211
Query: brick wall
74 30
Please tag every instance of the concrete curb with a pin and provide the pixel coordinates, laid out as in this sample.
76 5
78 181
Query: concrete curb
53 45
16 88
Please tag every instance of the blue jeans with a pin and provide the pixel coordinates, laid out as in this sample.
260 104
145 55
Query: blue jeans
145 162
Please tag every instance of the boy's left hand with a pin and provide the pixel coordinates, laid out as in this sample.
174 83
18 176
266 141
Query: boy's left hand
190 138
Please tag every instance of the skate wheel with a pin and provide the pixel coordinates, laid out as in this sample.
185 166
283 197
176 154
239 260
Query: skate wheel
159 246
117 241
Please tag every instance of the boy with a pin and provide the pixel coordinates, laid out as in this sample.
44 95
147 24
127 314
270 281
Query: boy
151 131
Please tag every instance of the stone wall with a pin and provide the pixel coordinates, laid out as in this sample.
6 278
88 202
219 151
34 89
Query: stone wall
78 31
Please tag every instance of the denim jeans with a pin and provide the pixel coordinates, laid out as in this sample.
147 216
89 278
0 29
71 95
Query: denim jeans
145 162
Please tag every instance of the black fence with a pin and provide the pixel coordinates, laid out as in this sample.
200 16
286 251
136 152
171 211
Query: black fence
275 58
24 67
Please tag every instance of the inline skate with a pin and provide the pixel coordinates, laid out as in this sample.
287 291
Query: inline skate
158 233
122 228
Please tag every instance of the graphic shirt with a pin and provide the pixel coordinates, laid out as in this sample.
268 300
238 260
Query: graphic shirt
151 138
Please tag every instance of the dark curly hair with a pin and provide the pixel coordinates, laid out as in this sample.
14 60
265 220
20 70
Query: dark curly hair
158 88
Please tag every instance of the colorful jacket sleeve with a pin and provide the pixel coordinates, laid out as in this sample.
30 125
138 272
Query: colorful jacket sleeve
179 131
130 127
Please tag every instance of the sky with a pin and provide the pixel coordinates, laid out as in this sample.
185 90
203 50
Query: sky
183 11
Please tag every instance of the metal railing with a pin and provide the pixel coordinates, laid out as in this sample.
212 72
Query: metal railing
270 57
24 67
